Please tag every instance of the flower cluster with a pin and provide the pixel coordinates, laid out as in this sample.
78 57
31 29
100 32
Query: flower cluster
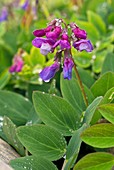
17 62
55 36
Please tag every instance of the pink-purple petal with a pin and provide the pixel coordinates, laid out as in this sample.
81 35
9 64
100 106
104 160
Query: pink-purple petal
49 72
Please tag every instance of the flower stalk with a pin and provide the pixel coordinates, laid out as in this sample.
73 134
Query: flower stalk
81 85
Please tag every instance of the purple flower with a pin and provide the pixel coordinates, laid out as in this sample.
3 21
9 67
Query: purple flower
49 72
42 32
25 5
64 44
67 68
79 33
83 45
44 44
54 34
17 64
4 14
39 33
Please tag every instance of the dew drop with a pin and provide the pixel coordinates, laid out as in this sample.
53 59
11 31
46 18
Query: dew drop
47 81
43 92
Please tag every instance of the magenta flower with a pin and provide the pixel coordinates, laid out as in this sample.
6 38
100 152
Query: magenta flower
44 44
67 68
83 45
57 33
17 64
4 14
49 72
42 32
64 44
79 33
39 33
54 34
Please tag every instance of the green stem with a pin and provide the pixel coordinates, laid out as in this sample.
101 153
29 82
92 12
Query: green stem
81 85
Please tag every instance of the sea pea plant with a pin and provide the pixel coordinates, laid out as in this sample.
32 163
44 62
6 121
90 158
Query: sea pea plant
56 126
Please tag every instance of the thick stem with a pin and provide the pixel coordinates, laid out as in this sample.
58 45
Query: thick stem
81 85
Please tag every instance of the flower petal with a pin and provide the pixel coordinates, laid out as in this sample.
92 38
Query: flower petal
47 73
67 69
83 45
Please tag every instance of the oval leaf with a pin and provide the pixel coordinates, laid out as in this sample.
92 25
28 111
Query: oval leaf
14 106
104 83
32 163
97 21
9 129
96 161
72 93
107 111
43 141
56 112
108 63
91 110
4 78
99 135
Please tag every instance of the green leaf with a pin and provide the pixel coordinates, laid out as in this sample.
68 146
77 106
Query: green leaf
73 147
33 87
4 78
75 142
82 59
98 61
107 111
9 129
108 63
56 112
93 33
99 135
72 93
14 106
36 57
104 83
32 163
42 140
2 28
108 98
111 18
91 110
97 21
96 161
85 76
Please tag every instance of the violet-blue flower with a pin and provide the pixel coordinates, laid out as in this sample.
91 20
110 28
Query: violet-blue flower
49 72
25 5
83 45
4 14
67 68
